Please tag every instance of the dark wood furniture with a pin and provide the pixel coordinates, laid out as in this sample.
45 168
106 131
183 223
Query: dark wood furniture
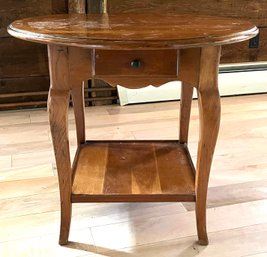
24 80
79 48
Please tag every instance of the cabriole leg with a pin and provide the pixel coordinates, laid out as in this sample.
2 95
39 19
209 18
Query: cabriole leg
58 105
209 115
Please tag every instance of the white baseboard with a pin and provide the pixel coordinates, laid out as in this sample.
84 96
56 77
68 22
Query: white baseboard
236 83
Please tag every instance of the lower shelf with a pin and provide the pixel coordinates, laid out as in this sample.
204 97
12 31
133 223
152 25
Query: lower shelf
127 171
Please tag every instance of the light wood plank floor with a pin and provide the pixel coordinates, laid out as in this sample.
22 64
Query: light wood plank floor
237 202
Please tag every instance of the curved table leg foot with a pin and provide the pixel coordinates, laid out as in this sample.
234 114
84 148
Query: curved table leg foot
66 209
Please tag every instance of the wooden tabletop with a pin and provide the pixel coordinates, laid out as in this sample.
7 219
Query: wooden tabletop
133 30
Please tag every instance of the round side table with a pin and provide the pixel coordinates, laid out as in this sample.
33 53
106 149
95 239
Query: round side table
134 51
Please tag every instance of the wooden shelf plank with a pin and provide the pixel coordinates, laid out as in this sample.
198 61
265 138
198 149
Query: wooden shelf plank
115 171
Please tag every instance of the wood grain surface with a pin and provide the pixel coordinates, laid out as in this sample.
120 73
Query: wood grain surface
241 52
185 111
96 6
29 196
126 31
23 92
209 124
14 64
132 171
152 63
243 9
58 105
77 6
23 66
11 10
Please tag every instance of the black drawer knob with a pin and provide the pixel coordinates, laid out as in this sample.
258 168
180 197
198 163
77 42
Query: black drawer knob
136 64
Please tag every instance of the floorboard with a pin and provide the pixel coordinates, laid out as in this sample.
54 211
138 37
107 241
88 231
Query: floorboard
237 202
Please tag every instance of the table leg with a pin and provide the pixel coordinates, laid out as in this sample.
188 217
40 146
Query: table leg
58 105
185 110
209 114
77 94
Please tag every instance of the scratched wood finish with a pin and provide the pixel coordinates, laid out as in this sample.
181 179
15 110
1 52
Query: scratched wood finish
243 9
111 31
133 171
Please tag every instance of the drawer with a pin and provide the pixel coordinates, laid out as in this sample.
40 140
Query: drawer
156 63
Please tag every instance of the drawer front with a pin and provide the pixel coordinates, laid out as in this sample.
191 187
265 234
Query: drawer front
141 63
